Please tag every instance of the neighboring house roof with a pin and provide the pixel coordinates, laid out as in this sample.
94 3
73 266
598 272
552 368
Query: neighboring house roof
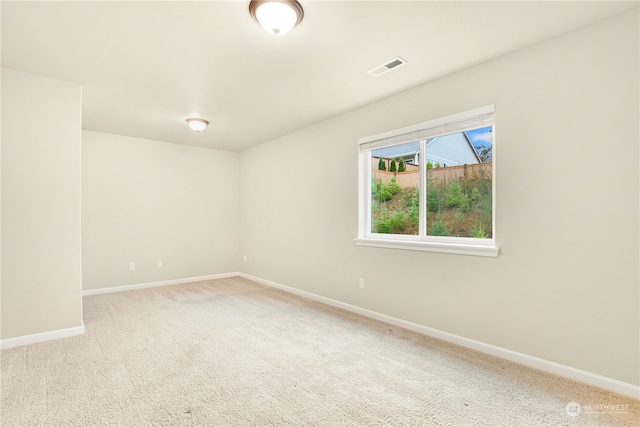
473 147
454 149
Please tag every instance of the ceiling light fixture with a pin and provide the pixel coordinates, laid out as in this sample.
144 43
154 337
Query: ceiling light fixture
197 125
277 16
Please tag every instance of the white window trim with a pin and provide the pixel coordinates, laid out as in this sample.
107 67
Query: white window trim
450 245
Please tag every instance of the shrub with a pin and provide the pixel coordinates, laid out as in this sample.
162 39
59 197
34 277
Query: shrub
433 200
382 165
398 220
454 195
460 207
393 186
392 167
439 228
456 198
465 203
413 201
475 195
390 223
429 164
401 166
478 232
382 224
379 191
375 187
384 192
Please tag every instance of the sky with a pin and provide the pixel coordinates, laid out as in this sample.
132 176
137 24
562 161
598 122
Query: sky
482 136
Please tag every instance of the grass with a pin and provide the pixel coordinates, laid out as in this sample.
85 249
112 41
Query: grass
460 207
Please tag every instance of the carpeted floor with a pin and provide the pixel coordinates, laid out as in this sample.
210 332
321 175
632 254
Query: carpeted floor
231 352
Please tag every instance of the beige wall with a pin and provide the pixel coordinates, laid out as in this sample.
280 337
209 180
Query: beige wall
566 285
41 252
145 201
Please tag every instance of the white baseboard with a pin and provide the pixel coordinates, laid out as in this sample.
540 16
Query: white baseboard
155 284
586 377
79 330
41 337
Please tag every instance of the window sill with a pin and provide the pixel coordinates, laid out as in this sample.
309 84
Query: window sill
447 248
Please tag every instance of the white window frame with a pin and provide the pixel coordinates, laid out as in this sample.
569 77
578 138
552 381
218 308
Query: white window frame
468 120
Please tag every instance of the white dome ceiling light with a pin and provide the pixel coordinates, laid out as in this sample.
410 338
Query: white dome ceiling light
277 17
197 125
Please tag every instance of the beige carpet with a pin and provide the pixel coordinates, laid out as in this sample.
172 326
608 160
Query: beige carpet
232 352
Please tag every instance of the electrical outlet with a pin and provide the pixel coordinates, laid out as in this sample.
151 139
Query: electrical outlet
132 266
361 282
159 264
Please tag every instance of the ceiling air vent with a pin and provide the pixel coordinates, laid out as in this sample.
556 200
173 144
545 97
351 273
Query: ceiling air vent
385 68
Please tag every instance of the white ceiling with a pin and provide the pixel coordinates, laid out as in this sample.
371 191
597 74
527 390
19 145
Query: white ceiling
147 66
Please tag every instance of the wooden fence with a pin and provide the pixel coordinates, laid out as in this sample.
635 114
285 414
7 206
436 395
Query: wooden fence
411 178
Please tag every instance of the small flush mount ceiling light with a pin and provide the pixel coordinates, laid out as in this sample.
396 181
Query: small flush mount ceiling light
197 125
276 16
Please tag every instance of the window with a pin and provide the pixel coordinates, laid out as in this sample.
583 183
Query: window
430 186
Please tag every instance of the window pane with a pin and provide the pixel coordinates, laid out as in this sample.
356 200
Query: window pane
459 184
395 199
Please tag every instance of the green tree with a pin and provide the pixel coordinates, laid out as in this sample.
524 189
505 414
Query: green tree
456 198
439 228
485 152
401 166
382 165
393 167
